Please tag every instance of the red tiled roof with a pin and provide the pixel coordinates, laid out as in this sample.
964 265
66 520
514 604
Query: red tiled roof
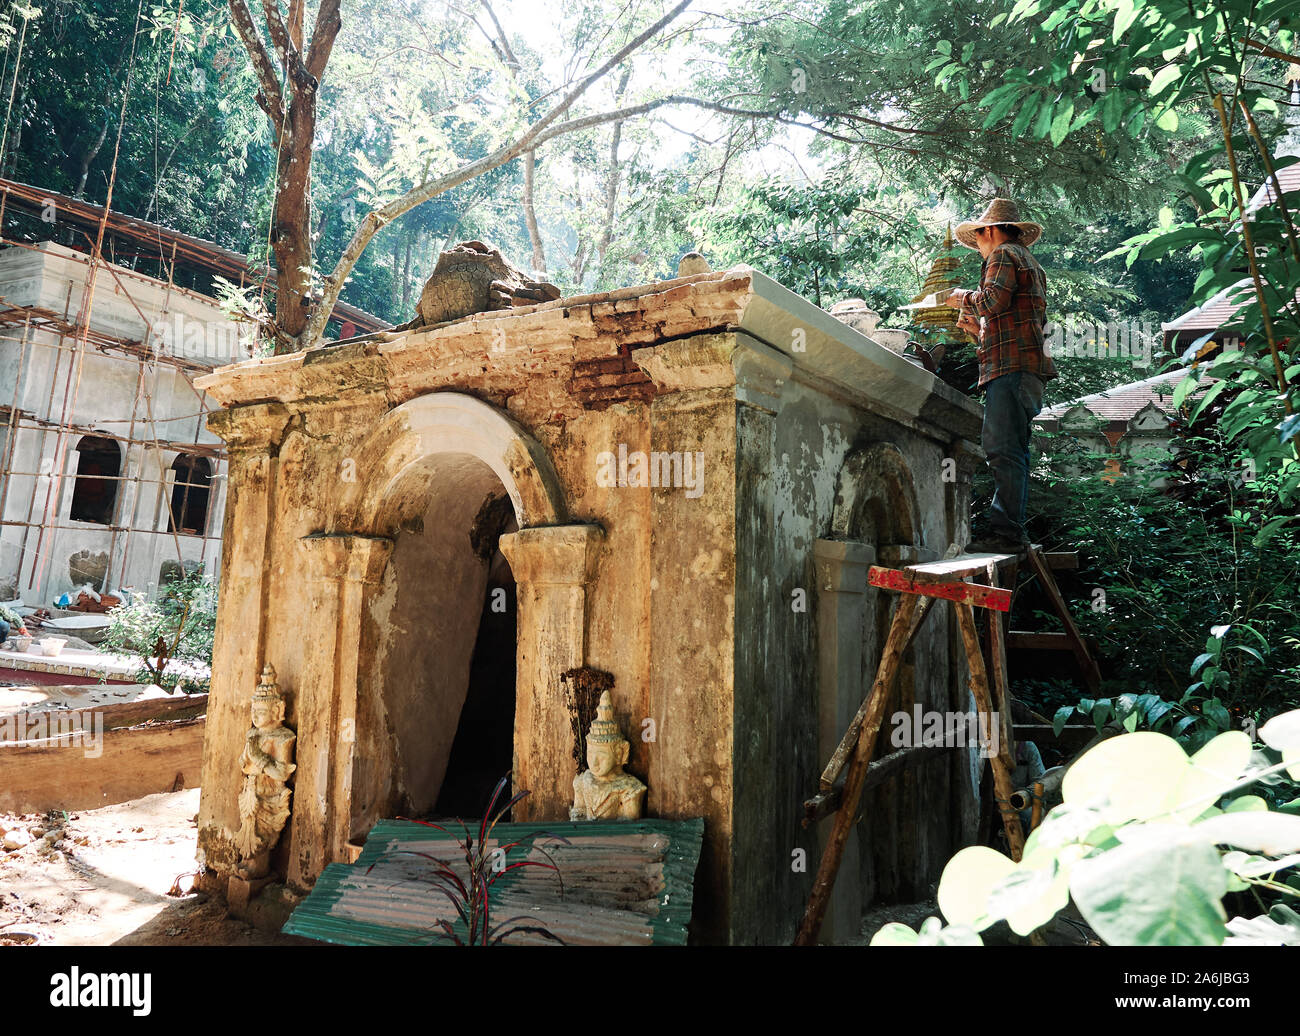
1216 312
1288 178
1124 402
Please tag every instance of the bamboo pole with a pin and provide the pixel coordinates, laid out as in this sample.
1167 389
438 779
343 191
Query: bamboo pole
1265 315
979 683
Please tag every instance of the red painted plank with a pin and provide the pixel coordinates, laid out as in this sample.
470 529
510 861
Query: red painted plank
975 594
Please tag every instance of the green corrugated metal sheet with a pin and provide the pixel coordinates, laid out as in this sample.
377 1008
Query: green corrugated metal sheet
625 883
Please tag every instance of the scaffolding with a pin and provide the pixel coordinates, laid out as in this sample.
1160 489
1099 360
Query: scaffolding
67 333
70 337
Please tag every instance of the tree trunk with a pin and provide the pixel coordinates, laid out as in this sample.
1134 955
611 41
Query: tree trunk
611 184
88 158
530 214
411 235
290 238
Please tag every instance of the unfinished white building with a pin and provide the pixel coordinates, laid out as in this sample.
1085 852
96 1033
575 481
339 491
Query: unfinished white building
108 474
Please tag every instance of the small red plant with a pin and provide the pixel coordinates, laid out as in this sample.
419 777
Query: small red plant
471 897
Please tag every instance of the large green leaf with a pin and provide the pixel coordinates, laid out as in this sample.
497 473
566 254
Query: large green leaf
1126 11
1272 834
1030 896
932 933
1283 731
1061 122
966 883
1133 776
1153 894
1212 771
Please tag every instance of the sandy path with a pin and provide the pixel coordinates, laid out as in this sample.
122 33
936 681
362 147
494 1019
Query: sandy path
100 877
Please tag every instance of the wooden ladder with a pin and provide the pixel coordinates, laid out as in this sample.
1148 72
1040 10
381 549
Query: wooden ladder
920 586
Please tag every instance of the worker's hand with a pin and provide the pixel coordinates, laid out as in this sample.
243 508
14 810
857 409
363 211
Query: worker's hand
969 323
955 299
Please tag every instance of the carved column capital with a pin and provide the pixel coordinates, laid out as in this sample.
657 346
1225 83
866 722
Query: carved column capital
563 555
251 429
842 565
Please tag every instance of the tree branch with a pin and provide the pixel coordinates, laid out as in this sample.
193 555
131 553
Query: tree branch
501 44
296 15
374 221
1269 52
323 34
284 45
270 99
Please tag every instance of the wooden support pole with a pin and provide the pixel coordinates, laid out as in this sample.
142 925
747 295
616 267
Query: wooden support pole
826 804
979 683
1001 686
841 754
900 633
1087 665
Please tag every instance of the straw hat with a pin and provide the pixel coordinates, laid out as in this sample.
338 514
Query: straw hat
1000 211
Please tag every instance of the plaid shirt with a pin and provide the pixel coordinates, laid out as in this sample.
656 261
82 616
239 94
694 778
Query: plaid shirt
1012 300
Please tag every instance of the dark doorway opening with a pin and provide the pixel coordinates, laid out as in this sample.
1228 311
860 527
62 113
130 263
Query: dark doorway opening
483 749
94 493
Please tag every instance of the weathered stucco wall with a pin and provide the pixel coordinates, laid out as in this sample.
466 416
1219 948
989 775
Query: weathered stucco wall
349 563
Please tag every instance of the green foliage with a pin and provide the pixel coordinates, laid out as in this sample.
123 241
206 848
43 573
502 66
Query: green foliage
1144 64
175 627
1146 842
1187 597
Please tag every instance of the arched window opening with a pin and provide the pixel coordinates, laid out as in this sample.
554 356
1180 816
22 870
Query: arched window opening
94 493
190 492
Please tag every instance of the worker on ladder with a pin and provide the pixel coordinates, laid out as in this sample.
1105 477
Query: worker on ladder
1007 313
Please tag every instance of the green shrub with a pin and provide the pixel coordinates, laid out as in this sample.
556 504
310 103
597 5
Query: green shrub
177 626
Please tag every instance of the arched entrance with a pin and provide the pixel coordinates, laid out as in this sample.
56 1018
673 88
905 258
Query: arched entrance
453 607
875 520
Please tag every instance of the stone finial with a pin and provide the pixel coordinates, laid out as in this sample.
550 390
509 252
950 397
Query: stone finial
857 314
603 791
693 264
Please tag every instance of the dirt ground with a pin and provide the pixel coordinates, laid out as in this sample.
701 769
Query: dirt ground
101 877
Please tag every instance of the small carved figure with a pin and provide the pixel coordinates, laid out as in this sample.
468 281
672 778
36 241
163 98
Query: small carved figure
603 791
267 763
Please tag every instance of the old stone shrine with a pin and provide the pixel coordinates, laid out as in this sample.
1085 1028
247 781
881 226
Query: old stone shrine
681 485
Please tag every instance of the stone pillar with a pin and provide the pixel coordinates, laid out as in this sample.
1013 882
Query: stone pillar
718 395
253 435
341 567
552 566
841 614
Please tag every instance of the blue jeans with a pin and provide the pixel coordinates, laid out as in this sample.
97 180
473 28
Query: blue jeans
1011 402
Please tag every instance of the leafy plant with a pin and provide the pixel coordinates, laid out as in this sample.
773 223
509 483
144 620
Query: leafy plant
176 627
470 895
1146 842
1191 721
1172 570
